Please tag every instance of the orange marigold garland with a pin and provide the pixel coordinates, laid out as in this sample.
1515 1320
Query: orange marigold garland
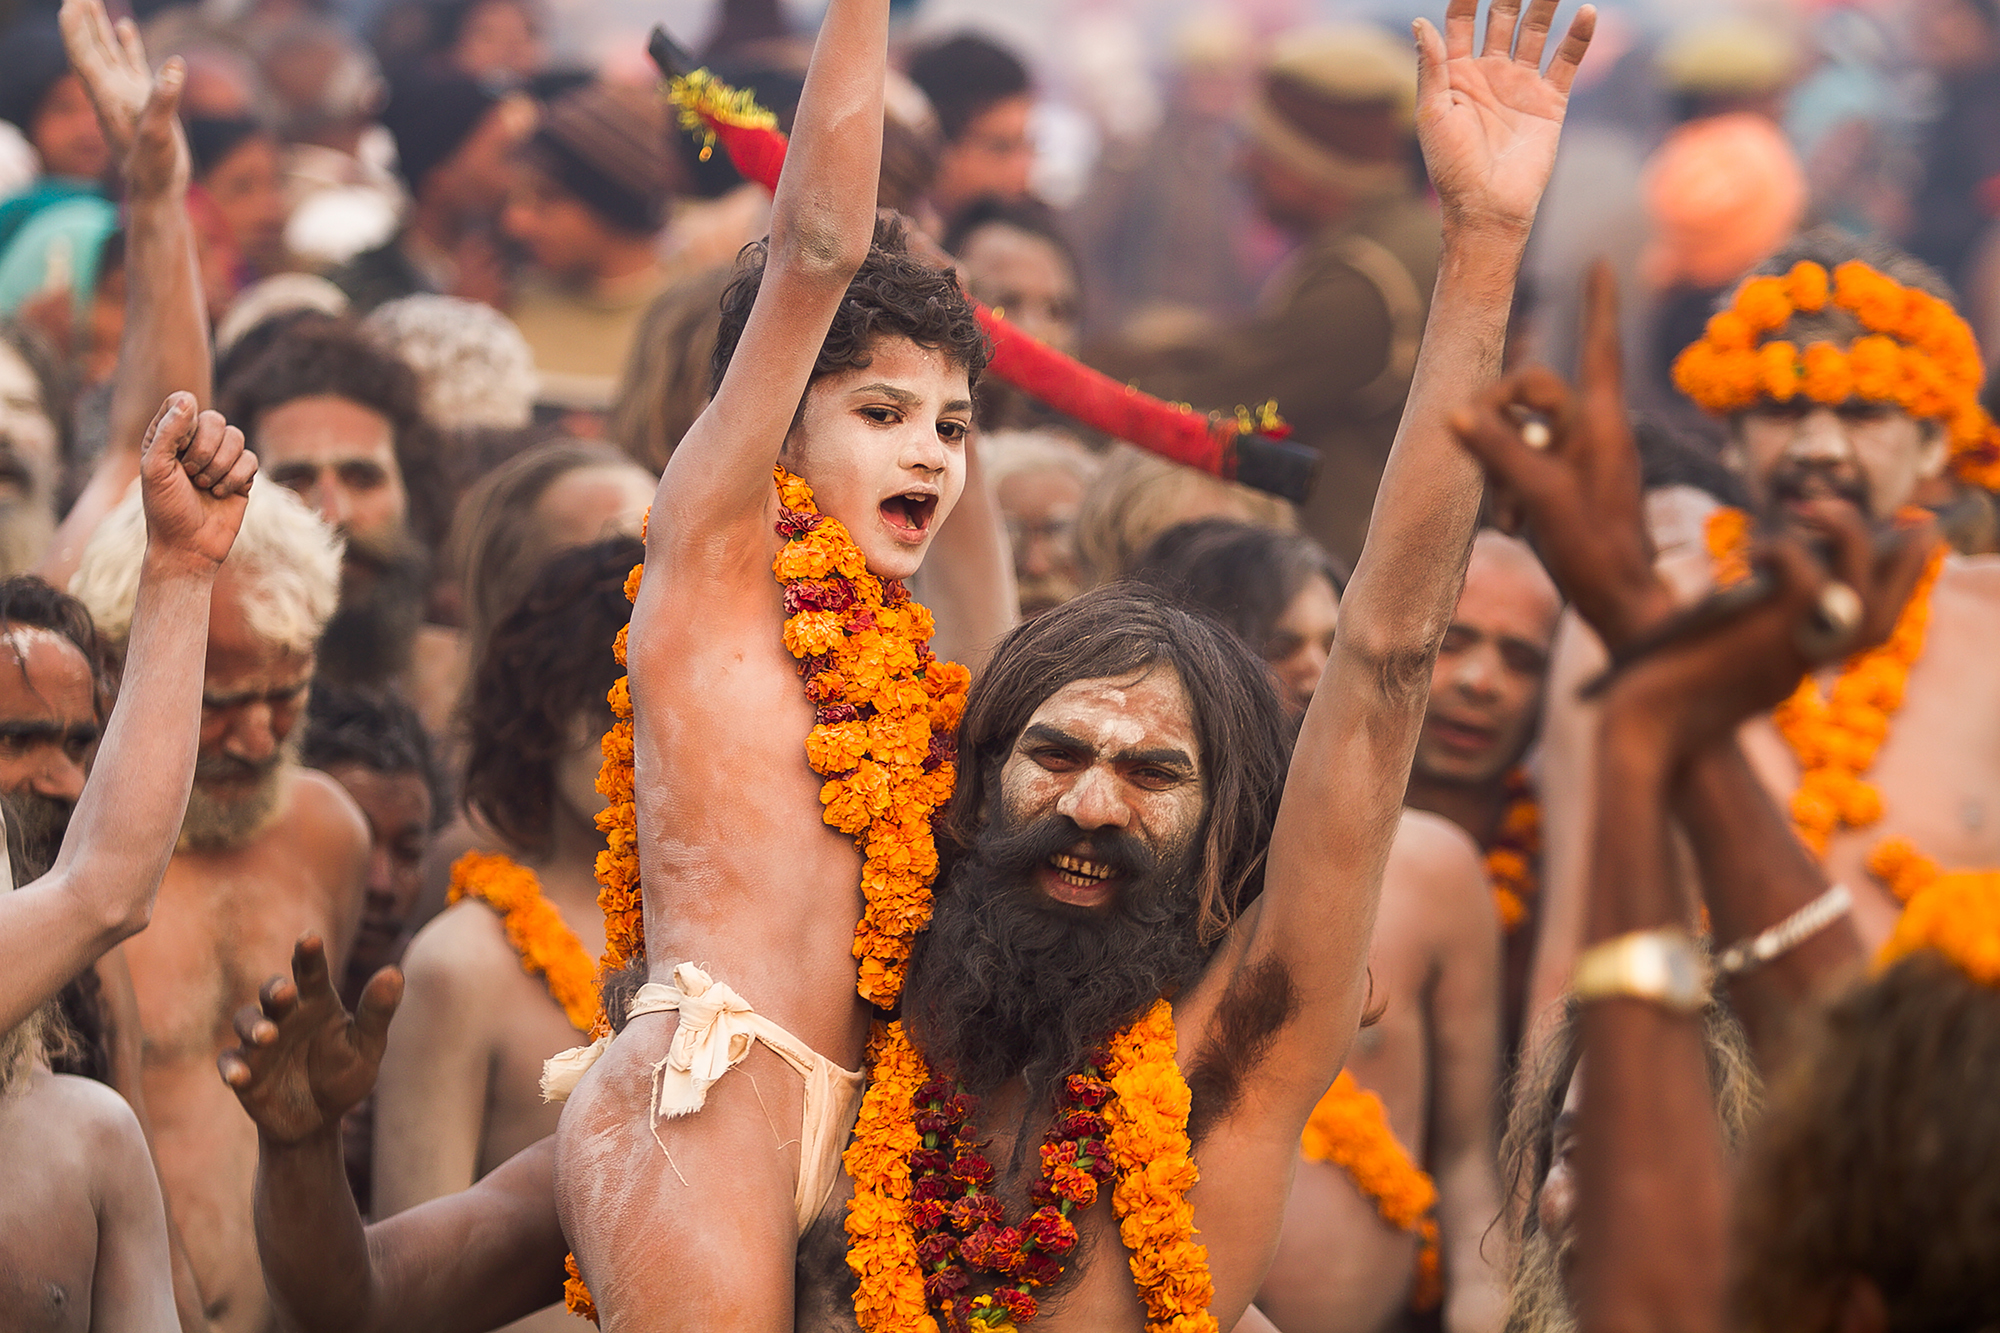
1517 846
1956 913
1836 734
1350 1129
884 736
1149 1144
1914 351
617 876
535 928
921 1216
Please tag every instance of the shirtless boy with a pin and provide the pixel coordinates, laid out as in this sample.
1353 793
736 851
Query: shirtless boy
83 1233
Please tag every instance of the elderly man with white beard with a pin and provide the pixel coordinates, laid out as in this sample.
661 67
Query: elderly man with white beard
268 850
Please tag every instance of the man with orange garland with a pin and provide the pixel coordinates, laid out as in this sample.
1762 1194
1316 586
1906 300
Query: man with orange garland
1845 372
1485 710
1122 781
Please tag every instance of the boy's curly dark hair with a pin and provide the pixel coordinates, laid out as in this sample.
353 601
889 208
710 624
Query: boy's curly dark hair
894 294
548 662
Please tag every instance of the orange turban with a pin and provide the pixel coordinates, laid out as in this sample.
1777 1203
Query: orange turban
1722 193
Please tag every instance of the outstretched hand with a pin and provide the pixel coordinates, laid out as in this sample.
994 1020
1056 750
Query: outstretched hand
1702 685
1578 490
194 480
303 1061
136 109
1489 122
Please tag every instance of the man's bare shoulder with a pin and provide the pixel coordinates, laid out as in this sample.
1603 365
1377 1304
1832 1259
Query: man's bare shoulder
1434 852
1974 579
84 1114
322 821
460 950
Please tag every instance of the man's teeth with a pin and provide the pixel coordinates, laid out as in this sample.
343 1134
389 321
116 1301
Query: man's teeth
1079 872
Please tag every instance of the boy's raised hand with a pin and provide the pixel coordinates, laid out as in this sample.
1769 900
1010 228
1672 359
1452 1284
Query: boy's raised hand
194 481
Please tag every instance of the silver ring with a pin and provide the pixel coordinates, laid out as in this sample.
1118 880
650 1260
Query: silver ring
1840 608
1535 433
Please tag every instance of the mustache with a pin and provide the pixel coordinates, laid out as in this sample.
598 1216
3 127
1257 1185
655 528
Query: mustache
231 768
1017 851
1807 481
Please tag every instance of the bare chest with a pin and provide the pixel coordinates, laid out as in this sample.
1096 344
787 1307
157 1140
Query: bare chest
48 1231
1938 771
222 927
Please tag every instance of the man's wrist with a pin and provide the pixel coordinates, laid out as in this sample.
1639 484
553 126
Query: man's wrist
1473 227
168 564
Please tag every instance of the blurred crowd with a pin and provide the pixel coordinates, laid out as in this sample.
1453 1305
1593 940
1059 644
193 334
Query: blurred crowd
461 292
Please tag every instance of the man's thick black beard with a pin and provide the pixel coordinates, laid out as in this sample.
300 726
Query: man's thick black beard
373 635
40 823
1006 983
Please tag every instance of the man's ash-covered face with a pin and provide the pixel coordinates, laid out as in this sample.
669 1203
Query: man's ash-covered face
1542 1299
340 457
1486 686
1077 906
1874 455
253 700
29 466
883 447
48 733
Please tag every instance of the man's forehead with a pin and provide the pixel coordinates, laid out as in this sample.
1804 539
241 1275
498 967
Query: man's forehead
1144 710
48 667
1507 591
321 428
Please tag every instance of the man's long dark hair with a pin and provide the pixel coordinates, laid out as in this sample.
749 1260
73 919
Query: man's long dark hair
1120 631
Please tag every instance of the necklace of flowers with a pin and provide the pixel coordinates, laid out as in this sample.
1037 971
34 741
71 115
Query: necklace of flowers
1836 734
535 928
923 1220
617 877
885 713
1350 1128
1516 846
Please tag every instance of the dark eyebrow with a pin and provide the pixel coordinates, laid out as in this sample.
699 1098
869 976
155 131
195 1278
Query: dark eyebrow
902 397
959 405
252 696
1042 731
1166 757
36 731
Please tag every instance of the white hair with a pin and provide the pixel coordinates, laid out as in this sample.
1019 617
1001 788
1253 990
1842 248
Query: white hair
476 369
287 559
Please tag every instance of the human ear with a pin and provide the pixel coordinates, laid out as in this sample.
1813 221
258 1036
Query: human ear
1933 450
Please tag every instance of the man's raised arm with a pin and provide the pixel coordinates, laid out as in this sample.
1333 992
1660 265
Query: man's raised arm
195 479
718 485
1488 124
165 347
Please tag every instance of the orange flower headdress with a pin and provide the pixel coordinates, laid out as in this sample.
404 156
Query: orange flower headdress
1915 351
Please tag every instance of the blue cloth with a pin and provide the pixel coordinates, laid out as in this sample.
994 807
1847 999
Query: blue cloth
67 230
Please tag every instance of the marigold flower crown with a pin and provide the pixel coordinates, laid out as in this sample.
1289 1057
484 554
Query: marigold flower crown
1914 351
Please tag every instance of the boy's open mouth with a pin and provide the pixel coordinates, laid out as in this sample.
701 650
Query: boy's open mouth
909 514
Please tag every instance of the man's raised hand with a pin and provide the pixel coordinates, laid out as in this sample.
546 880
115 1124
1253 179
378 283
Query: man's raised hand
1701 685
136 109
1489 122
303 1061
194 480
1578 491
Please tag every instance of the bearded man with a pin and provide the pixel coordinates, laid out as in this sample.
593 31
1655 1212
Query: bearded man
338 419
267 850
1900 771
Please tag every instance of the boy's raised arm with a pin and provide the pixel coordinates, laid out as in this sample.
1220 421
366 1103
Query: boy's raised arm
822 223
